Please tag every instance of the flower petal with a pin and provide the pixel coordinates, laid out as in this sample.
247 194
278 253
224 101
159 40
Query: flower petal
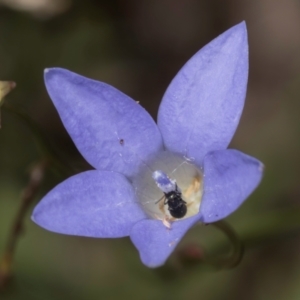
230 176
202 106
93 204
155 242
111 131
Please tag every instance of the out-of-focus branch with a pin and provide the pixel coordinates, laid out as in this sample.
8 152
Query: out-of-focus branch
5 88
194 253
252 232
43 145
28 194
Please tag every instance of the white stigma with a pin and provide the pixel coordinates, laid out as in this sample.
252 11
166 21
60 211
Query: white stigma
163 182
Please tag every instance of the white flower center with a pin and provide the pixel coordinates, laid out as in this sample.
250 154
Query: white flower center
165 184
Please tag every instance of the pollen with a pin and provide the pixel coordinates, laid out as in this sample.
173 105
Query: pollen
169 187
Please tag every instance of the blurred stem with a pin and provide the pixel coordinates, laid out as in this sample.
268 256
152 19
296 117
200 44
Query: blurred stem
253 232
42 143
5 88
192 254
260 230
28 194
232 259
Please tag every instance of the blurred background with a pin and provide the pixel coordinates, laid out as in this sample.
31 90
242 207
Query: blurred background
138 46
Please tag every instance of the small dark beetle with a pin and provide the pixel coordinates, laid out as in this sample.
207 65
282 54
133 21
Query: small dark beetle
176 206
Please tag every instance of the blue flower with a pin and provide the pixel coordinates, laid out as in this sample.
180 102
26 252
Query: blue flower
140 166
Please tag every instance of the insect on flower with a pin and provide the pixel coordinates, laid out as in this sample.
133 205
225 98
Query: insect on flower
150 176
172 195
177 206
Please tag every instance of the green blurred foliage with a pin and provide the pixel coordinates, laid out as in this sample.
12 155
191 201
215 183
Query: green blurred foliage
138 46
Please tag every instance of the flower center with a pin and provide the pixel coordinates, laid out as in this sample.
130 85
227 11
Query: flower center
169 187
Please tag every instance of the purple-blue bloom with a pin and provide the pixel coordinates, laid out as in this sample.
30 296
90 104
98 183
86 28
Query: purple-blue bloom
136 161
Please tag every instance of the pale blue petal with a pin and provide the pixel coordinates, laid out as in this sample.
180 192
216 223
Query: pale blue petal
230 176
155 242
93 203
111 131
202 106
